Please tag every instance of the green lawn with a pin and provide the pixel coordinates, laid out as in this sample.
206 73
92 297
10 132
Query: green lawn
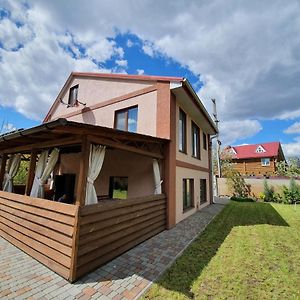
249 251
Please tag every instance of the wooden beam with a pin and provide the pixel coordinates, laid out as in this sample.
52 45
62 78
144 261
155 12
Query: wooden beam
107 142
75 239
2 169
31 172
58 142
83 171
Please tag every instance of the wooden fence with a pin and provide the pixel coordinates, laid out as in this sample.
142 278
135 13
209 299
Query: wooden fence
73 240
111 228
41 228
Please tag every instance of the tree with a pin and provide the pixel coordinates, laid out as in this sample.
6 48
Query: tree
291 168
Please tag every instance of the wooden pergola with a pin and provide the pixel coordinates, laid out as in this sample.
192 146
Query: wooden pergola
74 239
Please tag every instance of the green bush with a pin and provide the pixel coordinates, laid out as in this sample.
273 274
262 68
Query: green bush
241 199
292 193
269 193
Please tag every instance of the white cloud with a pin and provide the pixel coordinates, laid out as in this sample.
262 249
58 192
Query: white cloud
122 63
292 149
31 77
295 128
140 71
247 55
148 48
129 43
230 131
7 127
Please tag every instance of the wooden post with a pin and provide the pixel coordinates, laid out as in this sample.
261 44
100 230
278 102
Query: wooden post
83 171
2 169
31 172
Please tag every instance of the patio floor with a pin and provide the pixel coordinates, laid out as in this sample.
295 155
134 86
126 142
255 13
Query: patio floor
126 277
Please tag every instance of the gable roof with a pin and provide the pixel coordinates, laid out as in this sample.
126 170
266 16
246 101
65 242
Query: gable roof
249 151
183 82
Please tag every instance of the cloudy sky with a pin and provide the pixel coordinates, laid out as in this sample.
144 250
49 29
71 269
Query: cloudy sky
246 54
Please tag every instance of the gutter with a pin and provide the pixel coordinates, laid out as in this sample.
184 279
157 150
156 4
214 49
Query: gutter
45 126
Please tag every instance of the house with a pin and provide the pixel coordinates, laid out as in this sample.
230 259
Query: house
130 154
256 160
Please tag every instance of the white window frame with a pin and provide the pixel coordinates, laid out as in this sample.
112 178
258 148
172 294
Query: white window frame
260 149
265 162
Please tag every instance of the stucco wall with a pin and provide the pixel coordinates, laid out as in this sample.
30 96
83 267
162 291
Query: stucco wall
136 167
104 116
96 91
256 185
182 173
203 162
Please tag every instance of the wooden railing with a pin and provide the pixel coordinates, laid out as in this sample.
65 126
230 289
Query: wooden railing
73 240
110 228
41 228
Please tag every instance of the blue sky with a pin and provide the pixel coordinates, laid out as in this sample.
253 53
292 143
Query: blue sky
229 57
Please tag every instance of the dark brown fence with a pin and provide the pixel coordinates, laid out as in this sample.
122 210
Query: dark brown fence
110 228
41 228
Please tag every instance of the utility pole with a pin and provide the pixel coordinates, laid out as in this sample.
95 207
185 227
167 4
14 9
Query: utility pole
217 136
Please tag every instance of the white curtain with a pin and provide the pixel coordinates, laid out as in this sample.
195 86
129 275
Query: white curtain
157 178
97 154
40 167
43 171
11 172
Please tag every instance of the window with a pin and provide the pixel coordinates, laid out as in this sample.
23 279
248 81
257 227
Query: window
265 162
188 193
118 187
195 141
204 141
260 149
203 191
182 131
73 95
126 119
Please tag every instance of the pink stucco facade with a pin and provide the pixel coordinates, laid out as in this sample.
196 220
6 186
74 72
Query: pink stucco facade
158 102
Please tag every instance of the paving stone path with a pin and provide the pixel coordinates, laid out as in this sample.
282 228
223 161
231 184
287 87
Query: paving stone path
126 277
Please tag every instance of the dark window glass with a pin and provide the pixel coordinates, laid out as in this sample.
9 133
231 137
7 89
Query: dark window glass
126 119
118 187
182 131
188 193
203 191
204 141
195 141
73 95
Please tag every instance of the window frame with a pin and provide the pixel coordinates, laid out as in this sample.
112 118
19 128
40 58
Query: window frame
195 127
75 87
126 110
265 164
203 192
111 186
183 133
185 182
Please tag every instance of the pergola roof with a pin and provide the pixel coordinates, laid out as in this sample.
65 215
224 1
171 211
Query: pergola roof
63 132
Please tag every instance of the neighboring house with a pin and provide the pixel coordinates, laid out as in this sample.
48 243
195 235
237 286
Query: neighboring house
256 160
132 154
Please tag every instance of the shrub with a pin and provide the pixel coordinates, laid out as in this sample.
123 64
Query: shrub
269 193
241 199
236 184
292 193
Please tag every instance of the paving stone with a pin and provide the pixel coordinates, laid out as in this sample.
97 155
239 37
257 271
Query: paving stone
125 277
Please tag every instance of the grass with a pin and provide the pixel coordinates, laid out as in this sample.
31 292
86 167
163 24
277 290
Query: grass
249 251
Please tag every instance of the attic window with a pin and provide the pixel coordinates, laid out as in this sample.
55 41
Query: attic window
260 149
73 95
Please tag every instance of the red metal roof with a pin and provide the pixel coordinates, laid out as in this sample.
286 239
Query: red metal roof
126 76
249 151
